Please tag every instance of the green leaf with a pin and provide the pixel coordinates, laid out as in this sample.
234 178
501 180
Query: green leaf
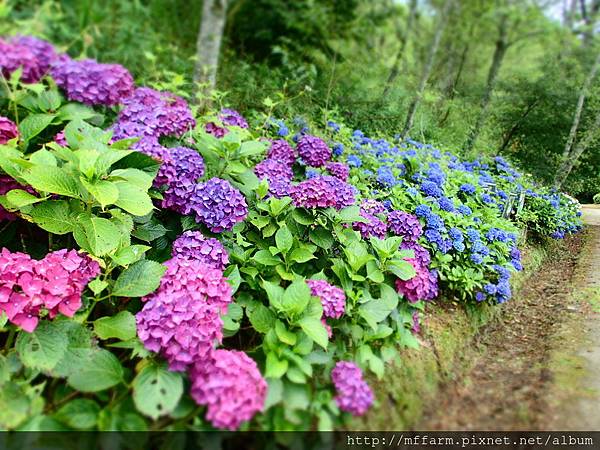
105 192
53 180
261 318
43 348
43 157
301 255
157 391
402 269
133 199
284 239
20 198
250 148
120 326
274 294
81 413
97 235
376 310
275 367
315 330
134 176
97 285
321 237
265 258
284 335
149 231
351 214
54 216
302 216
141 278
15 405
296 297
34 124
102 371
274 392
130 254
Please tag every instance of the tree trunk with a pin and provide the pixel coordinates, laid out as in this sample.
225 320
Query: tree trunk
501 47
568 163
395 70
412 109
208 46
577 117
508 136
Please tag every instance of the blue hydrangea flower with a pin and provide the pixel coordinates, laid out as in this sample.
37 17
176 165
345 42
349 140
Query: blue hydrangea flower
354 161
467 188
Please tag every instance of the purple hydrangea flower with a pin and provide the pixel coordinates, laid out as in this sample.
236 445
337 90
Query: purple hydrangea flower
230 385
282 152
404 224
92 83
372 206
218 205
43 51
338 170
313 151
273 170
373 227
61 139
194 245
8 130
323 192
181 320
423 286
332 298
353 394
152 113
422 257
14 56
232 118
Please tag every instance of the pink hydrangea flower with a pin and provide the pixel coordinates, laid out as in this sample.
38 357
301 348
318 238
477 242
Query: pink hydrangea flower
230 385
332 298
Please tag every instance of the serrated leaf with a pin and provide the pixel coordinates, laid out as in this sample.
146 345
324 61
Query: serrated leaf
296 297
19 198
133 199
43 348
101 371
121 326
81 413
139 279
105 192
97 235
265 258
321 237
315 330
284 335
284 239
275 367
53 180
261 318
34 124
54 216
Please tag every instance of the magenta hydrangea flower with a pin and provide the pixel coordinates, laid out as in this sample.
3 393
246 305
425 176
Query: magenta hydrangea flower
215 130
152 113
422 256
374 227
323 192
280 188
332 298
14 56
43 51
60 139
313 150
273 170
282 152
180 170
228 117
231 387
338 170
353 394
218 205
87 81
372 206
404 224
53 284
423 286
194 245
182 319
8 130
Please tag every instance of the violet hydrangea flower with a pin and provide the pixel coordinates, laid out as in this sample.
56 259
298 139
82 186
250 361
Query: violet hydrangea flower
8 130
423 286
338 170
373 227
230 385
228 117
282 152
14 56
404 224
43 51
332 298
273 170
323 192
218 205
194 245
353 394
313 151
372 206
182 319
87 81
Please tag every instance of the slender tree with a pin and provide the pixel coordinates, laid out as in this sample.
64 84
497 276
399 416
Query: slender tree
208 45
395 70
414 104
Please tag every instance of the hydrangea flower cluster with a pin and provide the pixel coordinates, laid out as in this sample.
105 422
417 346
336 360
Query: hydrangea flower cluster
405 225
282 152
230 385
273 170
181 319
194 245
8 130
423 286
313 151
332 298
373 227
338 170
353 394
22 54
323 192
53 285
218 205
43 51
228 117
92 83
152 113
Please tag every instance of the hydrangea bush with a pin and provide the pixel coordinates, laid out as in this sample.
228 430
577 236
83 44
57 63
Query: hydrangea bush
168 271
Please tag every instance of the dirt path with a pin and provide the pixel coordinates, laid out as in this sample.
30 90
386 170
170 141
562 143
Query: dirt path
516 366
